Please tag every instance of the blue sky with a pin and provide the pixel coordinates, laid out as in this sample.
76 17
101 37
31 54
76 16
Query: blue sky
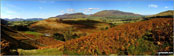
46 9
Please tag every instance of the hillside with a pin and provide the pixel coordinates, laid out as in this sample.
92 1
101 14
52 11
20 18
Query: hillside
8 42
72 16
165 14
105 13
12 40
145 37
54 25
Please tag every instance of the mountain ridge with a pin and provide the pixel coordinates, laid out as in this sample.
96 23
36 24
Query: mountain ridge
72 15
105 13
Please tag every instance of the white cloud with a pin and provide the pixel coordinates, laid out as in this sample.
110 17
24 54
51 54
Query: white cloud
166 7
84 10
89 10
62 11
70 10
93 8
153 5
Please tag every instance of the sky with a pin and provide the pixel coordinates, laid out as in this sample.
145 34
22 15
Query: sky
46 9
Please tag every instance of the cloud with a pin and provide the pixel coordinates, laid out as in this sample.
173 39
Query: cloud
70 10
62 11
153 6
93 8
89 10
166 7
84 10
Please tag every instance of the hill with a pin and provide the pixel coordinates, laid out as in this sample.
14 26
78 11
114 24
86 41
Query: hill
72 16
12 40
165 14
78 26
8 42
105 13
145 37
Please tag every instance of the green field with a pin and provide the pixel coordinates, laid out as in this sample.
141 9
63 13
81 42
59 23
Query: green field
52 51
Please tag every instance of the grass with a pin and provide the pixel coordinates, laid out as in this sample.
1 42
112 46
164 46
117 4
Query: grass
143 47
33 33
36 34
52 51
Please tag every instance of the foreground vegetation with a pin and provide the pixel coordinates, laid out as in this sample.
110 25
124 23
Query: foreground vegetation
126 39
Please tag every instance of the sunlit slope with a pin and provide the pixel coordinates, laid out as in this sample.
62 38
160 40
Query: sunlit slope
145 37
78 25
165 14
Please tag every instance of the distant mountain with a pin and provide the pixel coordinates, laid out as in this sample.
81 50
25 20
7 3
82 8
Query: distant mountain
71 16
105 13
21 19
14 19
34 19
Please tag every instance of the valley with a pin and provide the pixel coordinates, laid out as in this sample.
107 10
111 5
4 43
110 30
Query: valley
107 32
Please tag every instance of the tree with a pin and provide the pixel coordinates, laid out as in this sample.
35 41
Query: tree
59 36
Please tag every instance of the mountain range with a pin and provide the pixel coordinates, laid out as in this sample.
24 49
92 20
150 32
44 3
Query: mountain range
71 16
105 13
22 19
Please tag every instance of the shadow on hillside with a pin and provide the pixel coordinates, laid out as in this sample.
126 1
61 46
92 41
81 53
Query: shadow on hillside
13 43
169 16
87 24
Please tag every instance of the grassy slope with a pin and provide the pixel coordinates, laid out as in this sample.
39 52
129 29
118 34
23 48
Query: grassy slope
51 51
51 25
168 14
